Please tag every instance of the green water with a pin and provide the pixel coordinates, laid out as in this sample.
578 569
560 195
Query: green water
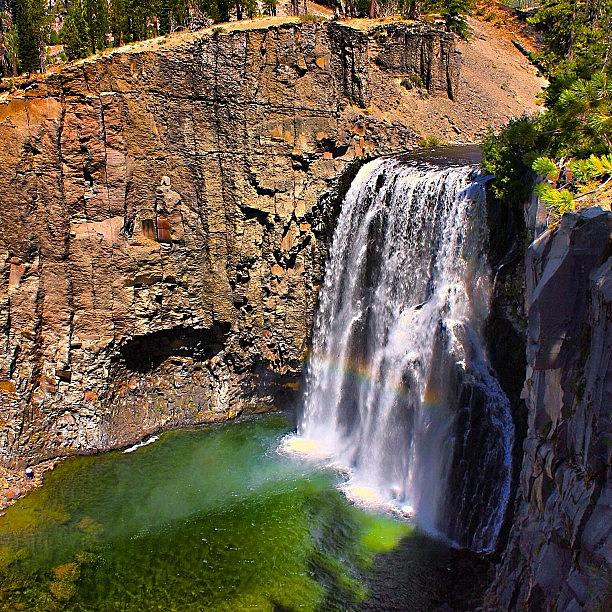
208 519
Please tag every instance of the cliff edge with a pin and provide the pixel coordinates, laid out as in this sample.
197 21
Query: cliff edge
559 553
166 209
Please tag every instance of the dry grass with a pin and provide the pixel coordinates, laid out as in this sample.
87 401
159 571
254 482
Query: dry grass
507 23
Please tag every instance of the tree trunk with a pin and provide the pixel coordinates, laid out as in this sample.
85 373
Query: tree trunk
414 9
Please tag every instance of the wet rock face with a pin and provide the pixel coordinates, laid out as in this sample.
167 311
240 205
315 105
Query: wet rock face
559 552
164 217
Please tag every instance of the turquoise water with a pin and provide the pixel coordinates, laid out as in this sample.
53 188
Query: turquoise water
206 519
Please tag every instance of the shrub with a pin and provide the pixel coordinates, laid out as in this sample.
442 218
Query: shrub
430 142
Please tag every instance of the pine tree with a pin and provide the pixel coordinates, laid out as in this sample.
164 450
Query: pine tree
171 13
165 20
454 13
248 7
269 7
118 21
413 9
573 136
8 42
577 41
95 13
217 10
138 13
75 34
31 25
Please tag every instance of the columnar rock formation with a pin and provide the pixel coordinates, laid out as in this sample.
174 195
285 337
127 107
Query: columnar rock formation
163 221
165 213
559 552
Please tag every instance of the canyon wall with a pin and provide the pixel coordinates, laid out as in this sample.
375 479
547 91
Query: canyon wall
165 213
559 551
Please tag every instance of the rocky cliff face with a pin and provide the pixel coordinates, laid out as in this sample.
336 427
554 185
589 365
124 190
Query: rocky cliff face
164 217
558 556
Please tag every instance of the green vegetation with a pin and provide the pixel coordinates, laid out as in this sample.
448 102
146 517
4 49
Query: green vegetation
453 12
8 41
88 26
430 142
412 81
311 18
27 26
31 22
570 142
75 34
562 187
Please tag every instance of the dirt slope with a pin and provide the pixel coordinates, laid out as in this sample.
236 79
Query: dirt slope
496 82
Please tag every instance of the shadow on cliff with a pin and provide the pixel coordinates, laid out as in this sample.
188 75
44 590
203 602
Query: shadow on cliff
146 352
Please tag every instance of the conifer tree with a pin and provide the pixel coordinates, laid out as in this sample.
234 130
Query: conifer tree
118 22
246 8
75 34
269 7
31 24
138 13
8 42
413 9
575 130
95 13
217 10
171 13
165 19
577 41
179 12
454 13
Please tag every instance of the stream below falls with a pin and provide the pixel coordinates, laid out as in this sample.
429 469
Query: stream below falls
210 519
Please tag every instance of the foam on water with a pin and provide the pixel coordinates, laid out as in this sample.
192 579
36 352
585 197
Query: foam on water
146 442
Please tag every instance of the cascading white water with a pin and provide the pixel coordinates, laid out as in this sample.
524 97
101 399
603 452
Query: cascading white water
398 389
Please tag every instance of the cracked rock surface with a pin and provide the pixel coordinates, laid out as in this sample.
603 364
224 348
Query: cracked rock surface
165 214
560 547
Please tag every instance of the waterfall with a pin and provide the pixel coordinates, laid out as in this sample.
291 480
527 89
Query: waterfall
398 387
